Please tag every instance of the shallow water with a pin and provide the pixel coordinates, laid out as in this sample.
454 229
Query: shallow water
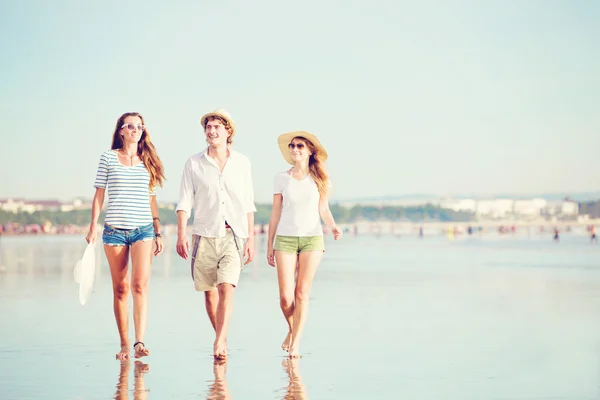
485 317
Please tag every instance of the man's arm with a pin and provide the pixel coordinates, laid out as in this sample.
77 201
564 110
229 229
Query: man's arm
184 206
249 247
183 245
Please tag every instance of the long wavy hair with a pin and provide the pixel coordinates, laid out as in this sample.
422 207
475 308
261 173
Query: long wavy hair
146 150
316 167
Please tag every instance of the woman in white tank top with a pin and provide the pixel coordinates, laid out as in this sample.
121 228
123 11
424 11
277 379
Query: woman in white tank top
300 202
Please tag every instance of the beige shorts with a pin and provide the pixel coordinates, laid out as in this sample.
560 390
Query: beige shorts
216 260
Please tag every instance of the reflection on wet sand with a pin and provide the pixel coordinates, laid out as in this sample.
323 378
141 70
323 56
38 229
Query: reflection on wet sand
139 386
295 388
217 389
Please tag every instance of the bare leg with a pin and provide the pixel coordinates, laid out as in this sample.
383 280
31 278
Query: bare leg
286 274
211 300
224 310
118 257
141 263
307 267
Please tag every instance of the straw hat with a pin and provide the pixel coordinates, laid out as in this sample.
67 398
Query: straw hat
219 113
285 139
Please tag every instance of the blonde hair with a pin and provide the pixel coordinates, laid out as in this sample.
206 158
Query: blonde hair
225 123
146 150
316 167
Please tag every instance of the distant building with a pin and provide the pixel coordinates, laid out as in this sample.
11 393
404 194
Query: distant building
77 204
494 209
565 209
12 205
42 205
569 208
389 202
590 209
469 205
529 208
29 206
168 206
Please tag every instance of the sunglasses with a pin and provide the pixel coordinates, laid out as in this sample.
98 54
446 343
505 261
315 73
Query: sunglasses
132 127
293 146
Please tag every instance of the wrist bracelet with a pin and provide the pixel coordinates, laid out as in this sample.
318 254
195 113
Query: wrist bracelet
158 235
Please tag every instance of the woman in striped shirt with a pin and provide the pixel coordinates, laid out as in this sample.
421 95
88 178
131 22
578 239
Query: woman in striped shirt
130 172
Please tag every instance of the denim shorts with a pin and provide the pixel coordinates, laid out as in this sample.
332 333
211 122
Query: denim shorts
126 237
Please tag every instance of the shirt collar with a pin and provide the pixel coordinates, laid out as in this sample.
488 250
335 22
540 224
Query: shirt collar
231 152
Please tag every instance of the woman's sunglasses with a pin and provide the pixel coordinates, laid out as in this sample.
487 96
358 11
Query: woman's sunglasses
293 146
132 127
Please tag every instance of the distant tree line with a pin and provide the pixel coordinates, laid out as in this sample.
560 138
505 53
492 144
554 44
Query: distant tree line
341 214
76 217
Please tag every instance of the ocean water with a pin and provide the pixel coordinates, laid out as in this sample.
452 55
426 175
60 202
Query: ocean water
482 317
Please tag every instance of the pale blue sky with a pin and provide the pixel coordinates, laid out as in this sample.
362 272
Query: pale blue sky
408 97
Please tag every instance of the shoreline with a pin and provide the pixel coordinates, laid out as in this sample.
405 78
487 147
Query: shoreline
370 227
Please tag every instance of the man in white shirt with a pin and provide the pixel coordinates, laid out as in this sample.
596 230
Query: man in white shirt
217 184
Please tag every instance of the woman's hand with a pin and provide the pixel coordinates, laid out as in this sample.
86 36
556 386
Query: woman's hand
159 245
91 236
271 256
337 232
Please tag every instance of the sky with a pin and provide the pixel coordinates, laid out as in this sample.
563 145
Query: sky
438 97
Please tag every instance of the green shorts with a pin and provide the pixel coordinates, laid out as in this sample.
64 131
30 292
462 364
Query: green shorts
298 244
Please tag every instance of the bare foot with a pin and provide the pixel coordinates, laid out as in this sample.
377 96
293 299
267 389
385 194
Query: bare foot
220 350
294 353
287 342
141 350
123 354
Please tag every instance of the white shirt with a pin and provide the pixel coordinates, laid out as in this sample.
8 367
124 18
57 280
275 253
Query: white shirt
300 206
217 196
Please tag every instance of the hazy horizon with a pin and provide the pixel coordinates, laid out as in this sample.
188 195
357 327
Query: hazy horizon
557 196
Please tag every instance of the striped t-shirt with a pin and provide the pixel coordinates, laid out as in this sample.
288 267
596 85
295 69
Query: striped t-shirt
128 192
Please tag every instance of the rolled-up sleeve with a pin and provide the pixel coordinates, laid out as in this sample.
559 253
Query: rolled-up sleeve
249 188
102 173
186 189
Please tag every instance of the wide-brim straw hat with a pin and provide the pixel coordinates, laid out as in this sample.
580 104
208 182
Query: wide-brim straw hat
218 113
285 139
